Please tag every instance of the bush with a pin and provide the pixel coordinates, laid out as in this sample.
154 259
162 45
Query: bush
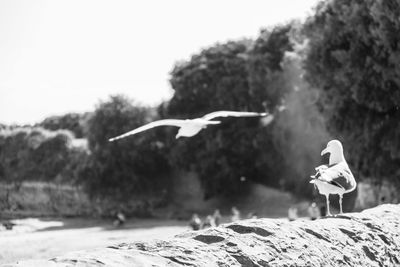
35 154
75 122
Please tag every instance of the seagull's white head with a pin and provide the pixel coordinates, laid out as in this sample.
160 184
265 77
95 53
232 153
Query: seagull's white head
335 148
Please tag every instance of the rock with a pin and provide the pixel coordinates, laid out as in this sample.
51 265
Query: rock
369 238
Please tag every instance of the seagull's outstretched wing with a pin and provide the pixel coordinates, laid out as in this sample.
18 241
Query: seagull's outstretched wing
216 114
177 123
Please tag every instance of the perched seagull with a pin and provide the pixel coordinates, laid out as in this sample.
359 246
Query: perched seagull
189 128
335 178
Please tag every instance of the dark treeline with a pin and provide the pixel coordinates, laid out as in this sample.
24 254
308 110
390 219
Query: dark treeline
75 122
336 75
36 154
354 60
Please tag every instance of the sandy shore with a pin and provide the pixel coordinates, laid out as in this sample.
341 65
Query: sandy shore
43 239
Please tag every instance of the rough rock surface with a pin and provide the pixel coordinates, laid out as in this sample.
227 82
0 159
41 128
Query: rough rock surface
369 238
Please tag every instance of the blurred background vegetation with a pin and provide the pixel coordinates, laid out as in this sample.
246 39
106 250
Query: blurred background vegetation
337 75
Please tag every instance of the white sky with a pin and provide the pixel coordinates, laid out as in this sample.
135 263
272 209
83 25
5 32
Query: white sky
61 56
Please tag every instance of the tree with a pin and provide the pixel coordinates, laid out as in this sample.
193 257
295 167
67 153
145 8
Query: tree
353 58
36 154
135 165
265 65
241 75
74 122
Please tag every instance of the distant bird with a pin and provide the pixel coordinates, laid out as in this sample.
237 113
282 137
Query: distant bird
190 127
335 178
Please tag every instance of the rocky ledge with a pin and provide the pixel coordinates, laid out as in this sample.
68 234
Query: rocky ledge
369 238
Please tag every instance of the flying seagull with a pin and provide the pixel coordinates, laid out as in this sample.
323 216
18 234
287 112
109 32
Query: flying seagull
335 178
190 127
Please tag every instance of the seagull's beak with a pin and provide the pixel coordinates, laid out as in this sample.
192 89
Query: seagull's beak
323 152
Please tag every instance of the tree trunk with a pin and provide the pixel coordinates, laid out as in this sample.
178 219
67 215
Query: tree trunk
369 238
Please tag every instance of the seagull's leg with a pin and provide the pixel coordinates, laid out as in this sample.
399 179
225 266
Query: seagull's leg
340 203
328 212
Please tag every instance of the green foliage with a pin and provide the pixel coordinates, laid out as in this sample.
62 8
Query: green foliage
244 76
37 154
353 59
131 165
75 122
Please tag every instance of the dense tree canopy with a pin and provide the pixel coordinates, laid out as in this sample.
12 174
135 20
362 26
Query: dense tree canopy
266 81
354 59
75 122
241 76
35 154
128 166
